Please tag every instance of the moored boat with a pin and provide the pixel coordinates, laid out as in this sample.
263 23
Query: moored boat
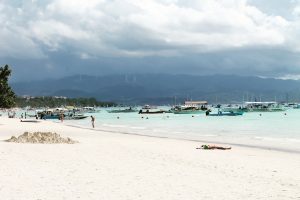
127 110
50 113
235 109
297 106
264 107
154 111
59 113
74 117
190 107
224 113
89 109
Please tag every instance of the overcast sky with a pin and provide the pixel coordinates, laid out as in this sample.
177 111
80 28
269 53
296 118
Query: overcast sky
54 38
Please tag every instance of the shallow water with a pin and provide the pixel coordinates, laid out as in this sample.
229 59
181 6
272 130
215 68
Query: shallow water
275 130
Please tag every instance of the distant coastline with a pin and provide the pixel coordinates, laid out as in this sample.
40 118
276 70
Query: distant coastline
163 89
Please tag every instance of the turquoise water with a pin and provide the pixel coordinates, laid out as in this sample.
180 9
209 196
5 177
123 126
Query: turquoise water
276 130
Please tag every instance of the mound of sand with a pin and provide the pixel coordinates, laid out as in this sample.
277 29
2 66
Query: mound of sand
41 137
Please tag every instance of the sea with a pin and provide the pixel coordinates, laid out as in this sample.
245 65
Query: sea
268 130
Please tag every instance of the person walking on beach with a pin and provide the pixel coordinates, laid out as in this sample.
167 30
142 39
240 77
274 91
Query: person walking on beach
62 117
93 121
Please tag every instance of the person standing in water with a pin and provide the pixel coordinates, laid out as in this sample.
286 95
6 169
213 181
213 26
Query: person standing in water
93 121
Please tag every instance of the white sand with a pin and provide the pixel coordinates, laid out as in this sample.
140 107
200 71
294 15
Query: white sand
115 166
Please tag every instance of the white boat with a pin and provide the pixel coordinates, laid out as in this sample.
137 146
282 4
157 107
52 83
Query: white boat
124 110
296 106
148 107
89 109
236 109
269 106
190 107
72 116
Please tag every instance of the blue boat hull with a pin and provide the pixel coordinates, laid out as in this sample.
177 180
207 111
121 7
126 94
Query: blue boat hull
226 114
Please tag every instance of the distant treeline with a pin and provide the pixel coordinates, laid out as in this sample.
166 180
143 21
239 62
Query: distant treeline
37 102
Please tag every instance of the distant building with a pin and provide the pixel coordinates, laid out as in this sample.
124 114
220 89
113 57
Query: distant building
60 97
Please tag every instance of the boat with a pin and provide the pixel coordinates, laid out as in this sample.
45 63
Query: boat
49 117
224 113
154 111
148 107
75 116
296 106
48 114
30 115
30 120
271 106
58 112
126 110
190 107
235 109
89 109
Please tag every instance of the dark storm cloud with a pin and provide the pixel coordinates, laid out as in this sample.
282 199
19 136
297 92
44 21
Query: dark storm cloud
56 38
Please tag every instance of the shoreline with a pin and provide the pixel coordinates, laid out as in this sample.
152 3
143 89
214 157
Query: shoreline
117 132
270 148
218 142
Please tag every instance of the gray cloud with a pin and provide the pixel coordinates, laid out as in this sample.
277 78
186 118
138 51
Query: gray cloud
63 37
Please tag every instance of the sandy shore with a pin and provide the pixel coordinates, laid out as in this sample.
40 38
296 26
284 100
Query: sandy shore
117 166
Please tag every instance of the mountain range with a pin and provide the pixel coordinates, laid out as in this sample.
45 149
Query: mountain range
164 89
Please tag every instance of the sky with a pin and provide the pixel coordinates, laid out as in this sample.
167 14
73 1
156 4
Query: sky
57 38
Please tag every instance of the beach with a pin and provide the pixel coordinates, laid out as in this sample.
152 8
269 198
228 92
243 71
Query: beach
106 165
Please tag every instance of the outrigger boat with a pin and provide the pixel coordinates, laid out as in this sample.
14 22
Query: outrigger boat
74 117
88 109
190 107
154 112
127 110
146 109
58 113
224 113
264 107
50 113
297 106
236 109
